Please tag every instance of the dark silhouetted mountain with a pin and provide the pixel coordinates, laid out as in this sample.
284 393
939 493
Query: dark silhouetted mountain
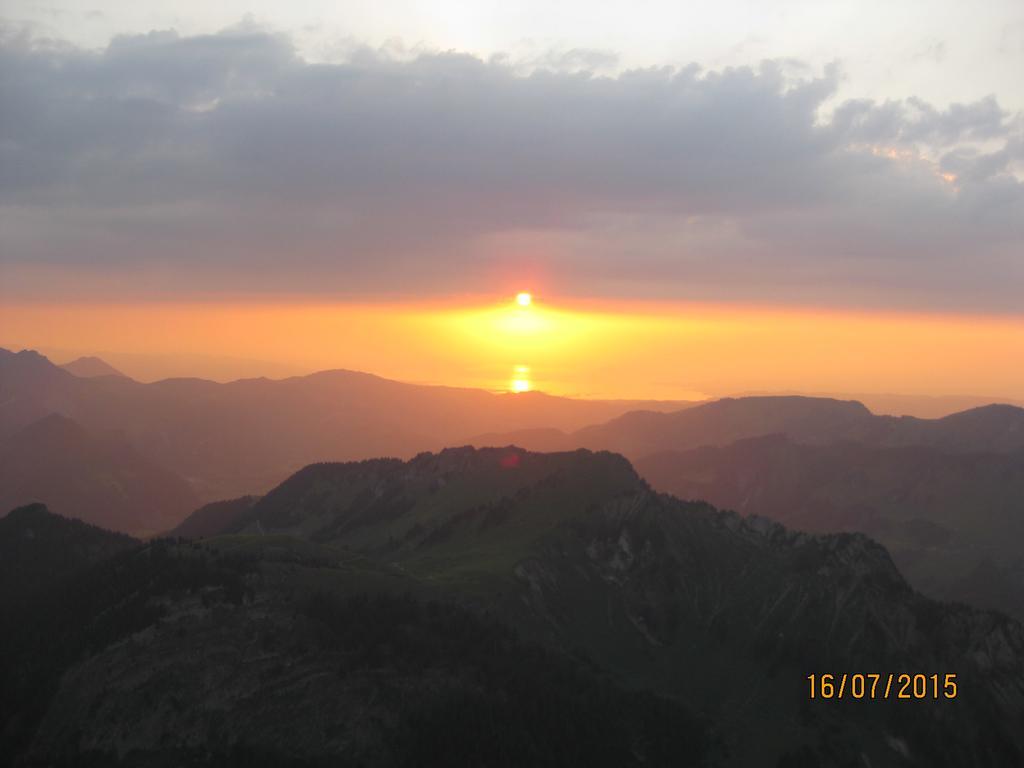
177 654
248 435
497 607
723 614
42 559
942 515
89 367
38 547
213 518
100 479
991 428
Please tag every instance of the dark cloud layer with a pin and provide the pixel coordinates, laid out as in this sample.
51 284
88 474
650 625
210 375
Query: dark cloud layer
226 163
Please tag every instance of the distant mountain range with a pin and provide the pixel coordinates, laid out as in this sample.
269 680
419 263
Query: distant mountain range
818 421
243 437
201 441
89 367
921 406
496 607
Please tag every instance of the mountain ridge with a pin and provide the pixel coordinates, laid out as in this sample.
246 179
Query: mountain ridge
721 618
89 366
637 434
671 596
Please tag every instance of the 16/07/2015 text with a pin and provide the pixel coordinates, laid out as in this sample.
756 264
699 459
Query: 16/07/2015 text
876 685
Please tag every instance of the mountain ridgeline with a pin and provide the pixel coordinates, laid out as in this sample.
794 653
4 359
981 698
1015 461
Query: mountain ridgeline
942 494
38 547
246 436
502 607
807 420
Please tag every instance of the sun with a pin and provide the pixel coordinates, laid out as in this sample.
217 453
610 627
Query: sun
524 299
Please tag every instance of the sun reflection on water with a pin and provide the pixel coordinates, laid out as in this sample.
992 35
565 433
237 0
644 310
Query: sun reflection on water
521 379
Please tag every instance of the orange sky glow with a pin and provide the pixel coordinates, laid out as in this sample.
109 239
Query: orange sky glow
627 350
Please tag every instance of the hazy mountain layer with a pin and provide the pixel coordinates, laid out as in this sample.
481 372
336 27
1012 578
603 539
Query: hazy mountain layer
246 436
98 478
88 367
992 428
952 521
921 406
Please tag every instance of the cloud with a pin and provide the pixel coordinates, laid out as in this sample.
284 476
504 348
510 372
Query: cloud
227 163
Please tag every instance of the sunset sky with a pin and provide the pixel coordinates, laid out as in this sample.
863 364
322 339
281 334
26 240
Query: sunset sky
741 203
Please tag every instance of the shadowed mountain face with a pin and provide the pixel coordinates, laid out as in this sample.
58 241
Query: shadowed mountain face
98 478
723 615
89 367
246 436
992 428
952 521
